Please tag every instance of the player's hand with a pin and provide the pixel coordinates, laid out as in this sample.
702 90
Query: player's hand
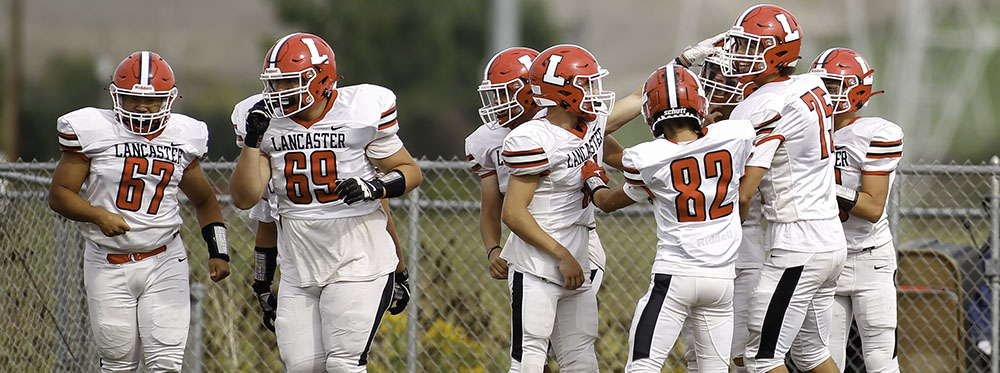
695 55
571 271
218 269
594 178
112 224
268 303
498 267
712 117
357 189
592 169
400 292
258 119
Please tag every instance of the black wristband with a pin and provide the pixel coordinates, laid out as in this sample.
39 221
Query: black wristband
490 251
265 261
394 183
215 237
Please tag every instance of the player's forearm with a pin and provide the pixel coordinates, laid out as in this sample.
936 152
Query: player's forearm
489 225
868 207
391 228
625 110
520 221
609 200
246 185
72 206
411 174
208 212
613 152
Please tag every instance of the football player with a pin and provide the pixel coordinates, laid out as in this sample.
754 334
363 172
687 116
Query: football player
550 216
266 240
691 176
792 164
319 146
867 151
135 158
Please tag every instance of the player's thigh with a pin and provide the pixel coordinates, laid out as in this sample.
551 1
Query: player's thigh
743 286
298 328
165 305
659 318
712 316
575 330
875 297
533 313
785 290
111 307
351 312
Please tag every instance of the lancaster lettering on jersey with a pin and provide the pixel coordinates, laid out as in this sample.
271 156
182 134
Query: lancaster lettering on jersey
304 141
841 153
163 152
586 151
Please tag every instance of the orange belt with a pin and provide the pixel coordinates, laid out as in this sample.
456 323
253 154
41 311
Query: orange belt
134 257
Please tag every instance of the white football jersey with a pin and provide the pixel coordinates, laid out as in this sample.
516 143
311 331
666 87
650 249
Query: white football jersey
131 175
867 146
306 159
482 148
793 119
539 147
695 190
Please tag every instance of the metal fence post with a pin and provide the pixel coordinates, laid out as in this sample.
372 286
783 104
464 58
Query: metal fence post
893 213
994 264
193 361
413 260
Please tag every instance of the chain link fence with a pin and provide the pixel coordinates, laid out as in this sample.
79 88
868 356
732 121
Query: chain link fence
940 215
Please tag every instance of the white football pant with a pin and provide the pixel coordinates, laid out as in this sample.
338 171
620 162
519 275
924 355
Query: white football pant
330 328
791 309
746 279
543 311
671 302
866 293
139 309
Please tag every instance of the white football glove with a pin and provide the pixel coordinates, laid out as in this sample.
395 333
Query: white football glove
695 55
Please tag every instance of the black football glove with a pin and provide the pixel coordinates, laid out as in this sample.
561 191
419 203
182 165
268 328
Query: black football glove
400 292
268 303
258 119
357 189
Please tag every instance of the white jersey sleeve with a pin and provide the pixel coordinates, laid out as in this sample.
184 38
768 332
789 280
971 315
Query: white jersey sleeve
884 151
524 154
386 142
482 149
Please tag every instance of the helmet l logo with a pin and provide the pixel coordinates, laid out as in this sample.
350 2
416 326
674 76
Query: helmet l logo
314 57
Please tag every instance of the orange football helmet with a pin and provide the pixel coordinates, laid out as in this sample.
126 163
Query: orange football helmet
143 74
764 39
568 76
672 91
307 59
504 89
848 77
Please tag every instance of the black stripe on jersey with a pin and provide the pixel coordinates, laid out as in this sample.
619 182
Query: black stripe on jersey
389 112
516 323
767 123
886 144
647 320
774 318
383 305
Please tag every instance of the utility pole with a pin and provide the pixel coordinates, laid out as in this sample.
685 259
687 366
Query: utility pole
12 86
505 28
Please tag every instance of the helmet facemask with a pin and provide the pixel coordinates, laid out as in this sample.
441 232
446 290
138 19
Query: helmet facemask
596 100
720 89
287 102
142 124
743 53
839 86
500 104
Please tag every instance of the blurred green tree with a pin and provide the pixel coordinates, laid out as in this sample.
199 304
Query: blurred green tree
68 84
431 53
